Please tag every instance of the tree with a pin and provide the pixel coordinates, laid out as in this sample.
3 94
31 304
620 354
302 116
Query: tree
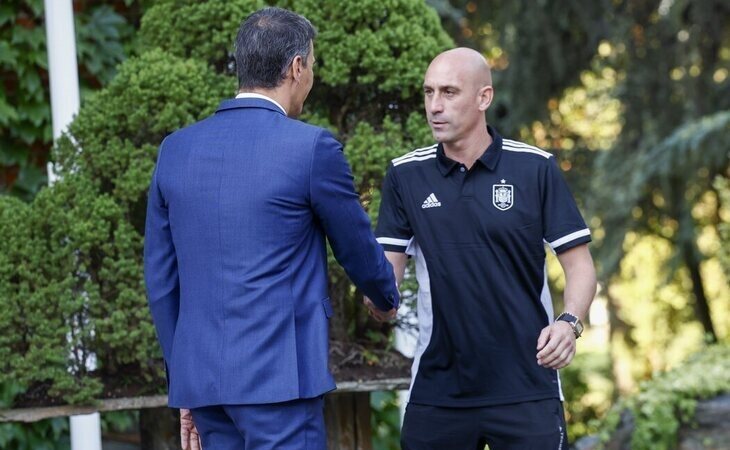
675 102
537 49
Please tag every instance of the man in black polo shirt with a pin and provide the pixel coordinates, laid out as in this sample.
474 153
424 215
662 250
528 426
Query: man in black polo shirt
476 210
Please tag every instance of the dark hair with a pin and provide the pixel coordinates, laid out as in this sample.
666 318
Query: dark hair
267 43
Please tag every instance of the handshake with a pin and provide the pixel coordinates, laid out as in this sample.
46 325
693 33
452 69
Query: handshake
378 314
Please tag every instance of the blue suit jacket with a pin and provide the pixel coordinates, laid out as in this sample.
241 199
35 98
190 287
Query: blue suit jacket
235 258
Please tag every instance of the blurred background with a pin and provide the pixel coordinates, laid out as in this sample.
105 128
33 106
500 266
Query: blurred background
632 96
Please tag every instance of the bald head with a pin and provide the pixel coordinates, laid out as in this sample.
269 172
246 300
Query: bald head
470 64
457 92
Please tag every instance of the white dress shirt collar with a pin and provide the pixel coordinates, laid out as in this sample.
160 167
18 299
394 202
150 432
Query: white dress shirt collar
262 97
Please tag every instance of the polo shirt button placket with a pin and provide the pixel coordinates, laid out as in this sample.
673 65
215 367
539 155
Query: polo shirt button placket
467 182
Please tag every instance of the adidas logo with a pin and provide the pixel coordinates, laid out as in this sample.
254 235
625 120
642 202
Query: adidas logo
431 202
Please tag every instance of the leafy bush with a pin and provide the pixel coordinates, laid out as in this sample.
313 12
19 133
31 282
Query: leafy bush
71 268
194 29
668 401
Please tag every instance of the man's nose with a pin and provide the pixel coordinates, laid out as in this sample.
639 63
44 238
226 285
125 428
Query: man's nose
435 105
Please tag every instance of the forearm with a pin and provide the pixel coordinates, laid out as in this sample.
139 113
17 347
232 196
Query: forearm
398 261
556 343
580 280
579 293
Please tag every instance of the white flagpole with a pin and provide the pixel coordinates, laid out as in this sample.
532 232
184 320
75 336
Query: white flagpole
64 81
62 67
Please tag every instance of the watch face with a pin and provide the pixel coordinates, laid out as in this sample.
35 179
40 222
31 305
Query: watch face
578 327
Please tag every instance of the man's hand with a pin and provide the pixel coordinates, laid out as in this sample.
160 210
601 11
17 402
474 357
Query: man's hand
556 345
380 316
189 437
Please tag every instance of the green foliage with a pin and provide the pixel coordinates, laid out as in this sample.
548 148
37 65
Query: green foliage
67 239
25 113
679 146
50 434
372 43
385 420
537 49
371 57
580 381
114 139
119 421
100 39
193 29
687 159
369 150
673 87
668 401
722 185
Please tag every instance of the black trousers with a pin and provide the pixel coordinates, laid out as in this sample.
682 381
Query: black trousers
535 425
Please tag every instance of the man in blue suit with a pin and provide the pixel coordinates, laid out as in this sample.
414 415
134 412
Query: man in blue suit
235 258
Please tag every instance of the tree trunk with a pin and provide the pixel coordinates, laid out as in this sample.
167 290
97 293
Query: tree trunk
702 307
687 245
619 331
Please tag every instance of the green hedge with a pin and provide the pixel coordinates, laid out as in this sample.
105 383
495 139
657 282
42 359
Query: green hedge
71 261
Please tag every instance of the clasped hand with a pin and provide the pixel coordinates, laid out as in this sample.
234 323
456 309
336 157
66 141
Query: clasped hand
377 314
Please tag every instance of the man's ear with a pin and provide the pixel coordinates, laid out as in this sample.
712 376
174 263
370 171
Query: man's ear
297 68
486 94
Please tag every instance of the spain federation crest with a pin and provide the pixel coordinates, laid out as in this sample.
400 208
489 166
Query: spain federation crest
503 196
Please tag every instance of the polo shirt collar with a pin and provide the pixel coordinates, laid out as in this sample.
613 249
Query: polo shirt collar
489 158
445 164
491 155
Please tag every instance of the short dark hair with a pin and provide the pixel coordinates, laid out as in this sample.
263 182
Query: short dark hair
267 43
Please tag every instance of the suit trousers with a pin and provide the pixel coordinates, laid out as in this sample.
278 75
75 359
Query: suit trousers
292 425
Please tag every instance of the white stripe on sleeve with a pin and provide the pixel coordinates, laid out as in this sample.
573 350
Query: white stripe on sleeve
393 241
571 237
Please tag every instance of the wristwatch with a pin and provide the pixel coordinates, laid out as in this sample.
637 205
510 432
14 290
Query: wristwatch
574 322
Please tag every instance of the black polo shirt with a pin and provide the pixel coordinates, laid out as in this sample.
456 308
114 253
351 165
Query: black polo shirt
478 236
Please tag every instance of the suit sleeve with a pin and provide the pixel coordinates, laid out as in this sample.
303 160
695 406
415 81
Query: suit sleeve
160 266
337 206
563 226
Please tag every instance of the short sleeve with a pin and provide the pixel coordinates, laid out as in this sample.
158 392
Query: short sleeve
563 225
393 231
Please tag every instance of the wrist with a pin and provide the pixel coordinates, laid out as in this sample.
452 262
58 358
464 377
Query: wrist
574 321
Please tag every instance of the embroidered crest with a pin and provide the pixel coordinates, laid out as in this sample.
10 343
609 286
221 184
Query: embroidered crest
502 196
